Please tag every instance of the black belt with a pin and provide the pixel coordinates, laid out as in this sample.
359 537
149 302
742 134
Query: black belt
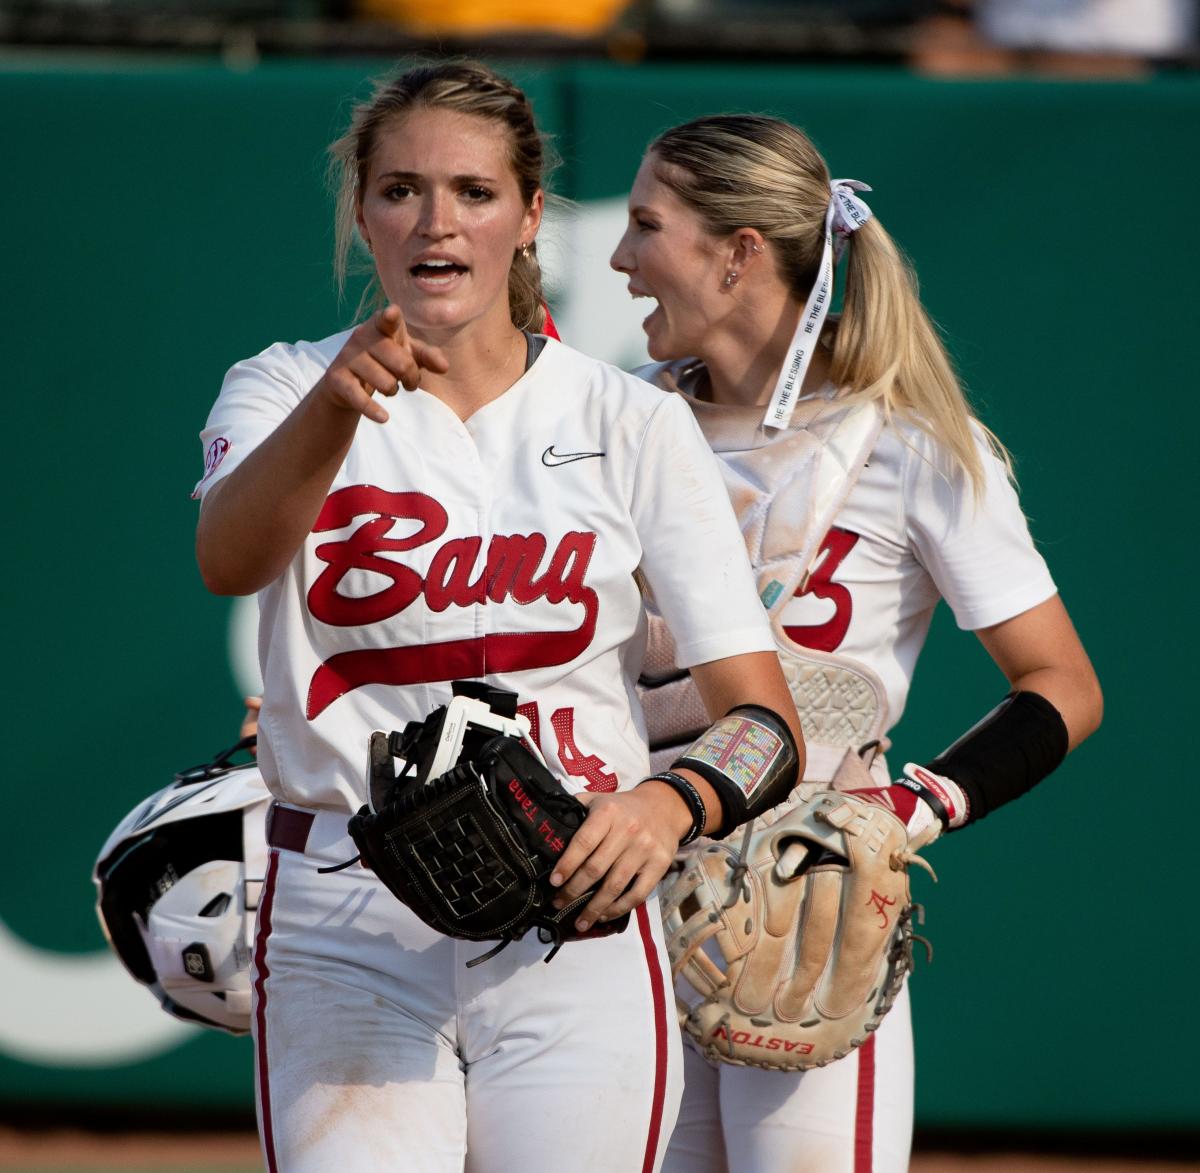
288 828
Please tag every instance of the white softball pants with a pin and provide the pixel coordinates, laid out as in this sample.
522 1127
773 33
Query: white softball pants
377 1049
853 1116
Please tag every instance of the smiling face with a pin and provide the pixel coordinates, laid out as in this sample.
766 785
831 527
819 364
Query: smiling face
442 213
667 254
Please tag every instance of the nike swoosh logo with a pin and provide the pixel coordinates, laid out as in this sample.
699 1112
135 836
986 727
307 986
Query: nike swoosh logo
552 459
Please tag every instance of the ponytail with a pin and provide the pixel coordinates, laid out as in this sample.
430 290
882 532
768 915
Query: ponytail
886 349
752 171
526 301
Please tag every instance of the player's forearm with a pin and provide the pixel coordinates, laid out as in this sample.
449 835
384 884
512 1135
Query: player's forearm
253 522
1074 693
677 811
752 756
754 678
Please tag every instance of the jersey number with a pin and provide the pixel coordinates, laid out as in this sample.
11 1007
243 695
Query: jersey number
825 637
577 764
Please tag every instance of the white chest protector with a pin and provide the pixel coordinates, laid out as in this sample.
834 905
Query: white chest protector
787 488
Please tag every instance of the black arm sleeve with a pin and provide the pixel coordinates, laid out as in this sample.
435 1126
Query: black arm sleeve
1021 741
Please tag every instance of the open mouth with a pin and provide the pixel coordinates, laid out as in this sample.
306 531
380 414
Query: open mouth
437 272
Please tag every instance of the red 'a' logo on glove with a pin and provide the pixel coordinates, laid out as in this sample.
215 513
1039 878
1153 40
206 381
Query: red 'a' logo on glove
881 904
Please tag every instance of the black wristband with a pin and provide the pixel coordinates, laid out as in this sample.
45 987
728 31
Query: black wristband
691 796
927 796
1020 742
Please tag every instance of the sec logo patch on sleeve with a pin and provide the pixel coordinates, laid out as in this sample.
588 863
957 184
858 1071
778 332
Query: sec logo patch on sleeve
216 452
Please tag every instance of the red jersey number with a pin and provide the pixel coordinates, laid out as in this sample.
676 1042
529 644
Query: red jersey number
574 762
827 636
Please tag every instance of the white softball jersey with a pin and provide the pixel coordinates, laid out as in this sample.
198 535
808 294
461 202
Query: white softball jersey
911 533
855 528
499 548
862 589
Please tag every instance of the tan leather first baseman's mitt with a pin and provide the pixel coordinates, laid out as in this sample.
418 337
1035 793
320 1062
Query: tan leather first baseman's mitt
793 938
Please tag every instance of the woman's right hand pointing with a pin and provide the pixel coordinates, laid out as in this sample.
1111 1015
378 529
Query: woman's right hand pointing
380 356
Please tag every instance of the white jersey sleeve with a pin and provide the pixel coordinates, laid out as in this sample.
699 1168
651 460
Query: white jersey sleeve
694 556
257 395
978 552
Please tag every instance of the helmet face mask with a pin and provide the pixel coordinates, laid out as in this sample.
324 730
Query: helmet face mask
178 882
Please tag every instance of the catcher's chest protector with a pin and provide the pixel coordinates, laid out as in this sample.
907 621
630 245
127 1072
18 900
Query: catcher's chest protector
786 488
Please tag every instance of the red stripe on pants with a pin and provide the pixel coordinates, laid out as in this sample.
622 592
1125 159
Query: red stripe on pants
864 1114
261 973
660 1039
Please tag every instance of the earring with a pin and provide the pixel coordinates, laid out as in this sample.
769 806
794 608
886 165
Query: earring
731 278
525 251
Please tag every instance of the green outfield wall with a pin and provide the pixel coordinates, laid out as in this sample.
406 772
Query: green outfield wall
161 220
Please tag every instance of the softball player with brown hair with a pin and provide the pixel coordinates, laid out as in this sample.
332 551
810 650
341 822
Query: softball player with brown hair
867 491
487 524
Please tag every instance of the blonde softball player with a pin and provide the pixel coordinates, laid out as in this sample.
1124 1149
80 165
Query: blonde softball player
866 492
488 524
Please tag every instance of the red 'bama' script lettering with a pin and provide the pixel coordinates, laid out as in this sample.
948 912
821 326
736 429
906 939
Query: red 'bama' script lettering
511 570
362 550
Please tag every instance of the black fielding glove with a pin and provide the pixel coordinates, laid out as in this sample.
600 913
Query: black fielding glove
471 851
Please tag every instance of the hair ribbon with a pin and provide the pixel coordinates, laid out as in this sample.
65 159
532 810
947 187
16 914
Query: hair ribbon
845 215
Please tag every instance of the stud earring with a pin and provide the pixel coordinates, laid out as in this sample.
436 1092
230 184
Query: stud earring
525 251
731 278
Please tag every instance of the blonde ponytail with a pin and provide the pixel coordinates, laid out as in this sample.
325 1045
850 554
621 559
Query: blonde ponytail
526 301
751 171
885 348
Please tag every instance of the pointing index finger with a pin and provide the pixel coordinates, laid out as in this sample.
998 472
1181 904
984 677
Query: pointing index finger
390 323
429 358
